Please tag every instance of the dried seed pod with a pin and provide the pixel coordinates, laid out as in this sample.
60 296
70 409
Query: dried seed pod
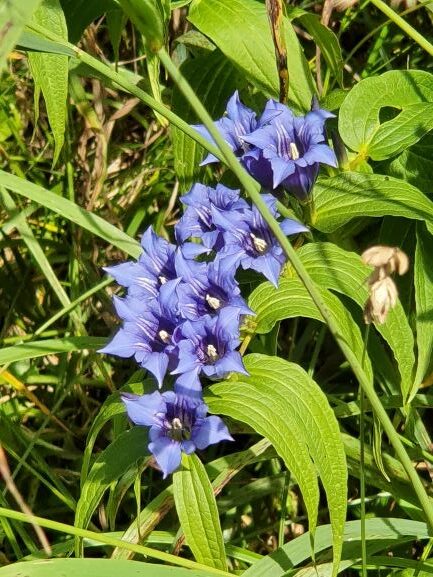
383 297
389 258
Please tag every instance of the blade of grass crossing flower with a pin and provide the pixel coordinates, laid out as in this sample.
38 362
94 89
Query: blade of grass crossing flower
253 191
72 212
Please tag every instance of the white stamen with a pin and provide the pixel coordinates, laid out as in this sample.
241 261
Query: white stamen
162 279
294 152
164 336
212 353
213 302
176 423
259 243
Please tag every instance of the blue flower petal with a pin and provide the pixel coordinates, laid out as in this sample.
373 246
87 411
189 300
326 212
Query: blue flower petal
210 431
167 452
142 409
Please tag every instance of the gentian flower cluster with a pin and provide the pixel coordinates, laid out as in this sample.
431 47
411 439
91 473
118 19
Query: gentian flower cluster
278 149
183 305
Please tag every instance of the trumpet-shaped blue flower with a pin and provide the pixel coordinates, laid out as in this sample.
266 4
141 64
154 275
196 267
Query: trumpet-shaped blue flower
249 242
147 331
198 222
207 288
155 267
177 423
208 346
238 121
287 149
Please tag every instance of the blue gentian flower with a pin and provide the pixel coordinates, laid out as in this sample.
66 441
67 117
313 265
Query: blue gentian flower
249 242
208 346
177 423
147 331
207 288
238 121
286 150
197 221
155 267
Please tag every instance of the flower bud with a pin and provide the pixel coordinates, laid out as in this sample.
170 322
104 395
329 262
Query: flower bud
383 297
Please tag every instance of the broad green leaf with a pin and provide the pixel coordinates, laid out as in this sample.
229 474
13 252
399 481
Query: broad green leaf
414 165
198 513
72 212
14 15
351 194
34 43
116 21
410 91
282 403
111 464
214 79
49 347
424 304
334 268
95 568
291 299
384 532
240 29
149 16
220 471
325 39
50 71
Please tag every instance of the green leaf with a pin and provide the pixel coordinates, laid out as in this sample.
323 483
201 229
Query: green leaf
240 29
198 513
49 347
291 299
50 71
410 91
325 39
14 15
149 16
111 464
34 43
334 268
351 194
72 212
382 531
214 80
281 402
424 304
95 568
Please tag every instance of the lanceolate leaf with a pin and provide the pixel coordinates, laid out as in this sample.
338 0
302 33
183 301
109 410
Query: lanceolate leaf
291 299
240 29
424 304
111 464
50 71
281 402
342 271
352 194
198 513
214 79
14 15
409 91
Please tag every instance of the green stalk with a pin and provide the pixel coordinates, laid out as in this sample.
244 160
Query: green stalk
362 460
252 188
108 540
405 26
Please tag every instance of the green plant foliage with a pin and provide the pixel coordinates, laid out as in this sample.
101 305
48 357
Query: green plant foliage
198 513
241 31
352 194
14 15
50 72
287 407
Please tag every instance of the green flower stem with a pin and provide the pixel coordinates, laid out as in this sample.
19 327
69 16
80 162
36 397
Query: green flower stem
405 26
252 188
128 86
108 540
